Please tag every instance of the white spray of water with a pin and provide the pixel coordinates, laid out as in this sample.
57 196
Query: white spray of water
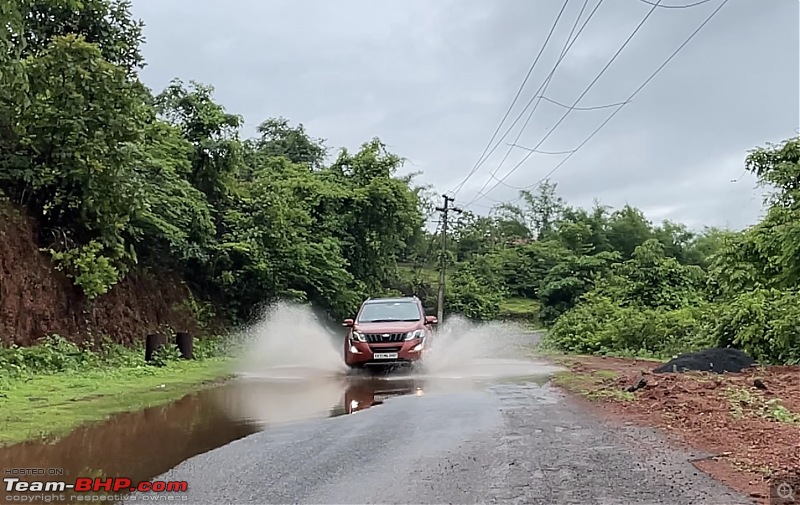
463 349
289 341
291 366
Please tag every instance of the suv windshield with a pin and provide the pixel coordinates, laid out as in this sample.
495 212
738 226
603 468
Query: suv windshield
380 312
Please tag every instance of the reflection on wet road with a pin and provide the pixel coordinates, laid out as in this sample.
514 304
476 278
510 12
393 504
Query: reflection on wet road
144 444
477 423
138 444
496 435
291 394
435 439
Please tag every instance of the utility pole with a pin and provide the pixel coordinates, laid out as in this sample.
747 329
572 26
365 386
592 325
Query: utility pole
444 210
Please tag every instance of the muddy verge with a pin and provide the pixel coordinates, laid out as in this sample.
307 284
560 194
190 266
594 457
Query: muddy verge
36 300
748 421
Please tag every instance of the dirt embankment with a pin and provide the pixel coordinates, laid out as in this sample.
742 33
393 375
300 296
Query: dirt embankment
36 300
749 422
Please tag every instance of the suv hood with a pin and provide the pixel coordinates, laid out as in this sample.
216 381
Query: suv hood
393 327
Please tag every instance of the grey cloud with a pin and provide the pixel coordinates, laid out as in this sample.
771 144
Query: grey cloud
432 79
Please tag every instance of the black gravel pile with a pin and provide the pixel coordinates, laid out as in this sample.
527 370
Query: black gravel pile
717 360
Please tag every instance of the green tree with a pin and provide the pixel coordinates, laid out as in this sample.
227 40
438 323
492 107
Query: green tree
73 160
277 138
107 24
212 131
381 214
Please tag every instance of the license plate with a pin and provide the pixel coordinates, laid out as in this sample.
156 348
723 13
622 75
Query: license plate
385 355
381 398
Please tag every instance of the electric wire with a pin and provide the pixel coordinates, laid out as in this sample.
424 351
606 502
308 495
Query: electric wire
543 89
595 107
544 84
514 101
685 6
636 92
588 88
542 152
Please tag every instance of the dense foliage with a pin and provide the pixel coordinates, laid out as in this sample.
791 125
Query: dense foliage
612 282
122 178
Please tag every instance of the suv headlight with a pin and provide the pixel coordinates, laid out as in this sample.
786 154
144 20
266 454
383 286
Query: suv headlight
411 335
357 336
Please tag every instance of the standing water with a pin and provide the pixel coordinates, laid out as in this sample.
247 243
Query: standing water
290 368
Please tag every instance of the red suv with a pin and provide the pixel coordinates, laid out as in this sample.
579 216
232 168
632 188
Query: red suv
387 331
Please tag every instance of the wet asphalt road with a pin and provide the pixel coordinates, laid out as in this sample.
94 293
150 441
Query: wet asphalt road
514 443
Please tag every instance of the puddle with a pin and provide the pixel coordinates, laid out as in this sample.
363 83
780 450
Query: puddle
278 384
138 445
141 445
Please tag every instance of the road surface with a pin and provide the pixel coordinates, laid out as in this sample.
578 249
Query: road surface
520 442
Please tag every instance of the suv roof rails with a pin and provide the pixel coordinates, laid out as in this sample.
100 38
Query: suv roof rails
411 297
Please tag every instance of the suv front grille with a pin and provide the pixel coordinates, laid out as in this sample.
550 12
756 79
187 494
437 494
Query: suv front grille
393 348
376 338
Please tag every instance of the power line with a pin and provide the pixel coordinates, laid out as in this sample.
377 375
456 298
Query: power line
541 152
538 151
543 88
595 107
636 92
516 97
686 6
597 78
544 85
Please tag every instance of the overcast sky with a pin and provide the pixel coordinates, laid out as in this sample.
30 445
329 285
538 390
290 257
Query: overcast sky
433 79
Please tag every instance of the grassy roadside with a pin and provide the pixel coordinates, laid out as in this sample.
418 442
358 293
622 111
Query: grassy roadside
522 310
41 404
592 382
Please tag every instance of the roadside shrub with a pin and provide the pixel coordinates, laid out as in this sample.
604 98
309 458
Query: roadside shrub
55 354
88 268
473 297
763 323
603 327
213 347
165 355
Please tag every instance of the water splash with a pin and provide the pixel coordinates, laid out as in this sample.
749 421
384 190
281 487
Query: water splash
290 342
462 349
292 368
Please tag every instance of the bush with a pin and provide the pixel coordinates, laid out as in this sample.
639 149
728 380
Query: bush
55 354
472 296
601 326
763 323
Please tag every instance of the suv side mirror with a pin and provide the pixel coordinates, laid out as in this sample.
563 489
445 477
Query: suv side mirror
431 320
349 323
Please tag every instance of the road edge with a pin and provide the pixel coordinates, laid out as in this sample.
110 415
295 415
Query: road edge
591 389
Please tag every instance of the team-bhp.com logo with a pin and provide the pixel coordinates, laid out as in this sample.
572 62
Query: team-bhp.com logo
96 484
